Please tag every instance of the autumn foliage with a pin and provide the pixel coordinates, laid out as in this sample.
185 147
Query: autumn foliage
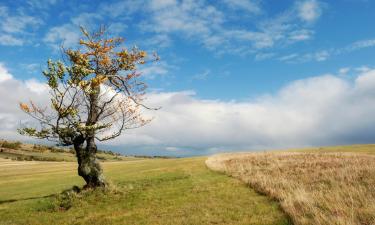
98 68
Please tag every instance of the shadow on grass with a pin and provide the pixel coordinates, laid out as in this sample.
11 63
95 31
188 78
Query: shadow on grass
23 199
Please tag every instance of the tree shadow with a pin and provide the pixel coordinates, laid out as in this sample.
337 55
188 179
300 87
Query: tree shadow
23 199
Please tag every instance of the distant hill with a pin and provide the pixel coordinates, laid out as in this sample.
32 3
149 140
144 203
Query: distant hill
34 152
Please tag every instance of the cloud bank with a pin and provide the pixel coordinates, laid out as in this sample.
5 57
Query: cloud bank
322 110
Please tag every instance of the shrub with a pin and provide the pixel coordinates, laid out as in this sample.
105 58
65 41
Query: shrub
101 158
72 151
57 150
11 145
39 148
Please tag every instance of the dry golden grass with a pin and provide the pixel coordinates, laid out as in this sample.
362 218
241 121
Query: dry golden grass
312 188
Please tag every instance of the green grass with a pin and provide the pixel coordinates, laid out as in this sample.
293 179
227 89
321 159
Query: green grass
151 191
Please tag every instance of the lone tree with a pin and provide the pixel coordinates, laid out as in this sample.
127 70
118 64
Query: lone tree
96 94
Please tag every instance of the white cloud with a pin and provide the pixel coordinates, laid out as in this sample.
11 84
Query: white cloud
322 110
36 86
309 10
344 71
67 35
4 74
366 82
17 91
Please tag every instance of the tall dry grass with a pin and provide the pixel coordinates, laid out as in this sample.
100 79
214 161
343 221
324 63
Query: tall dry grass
312 188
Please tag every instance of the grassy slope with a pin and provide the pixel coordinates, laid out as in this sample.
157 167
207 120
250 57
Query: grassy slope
155 191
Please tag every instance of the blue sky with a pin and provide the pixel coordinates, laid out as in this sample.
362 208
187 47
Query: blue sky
230 49
225 52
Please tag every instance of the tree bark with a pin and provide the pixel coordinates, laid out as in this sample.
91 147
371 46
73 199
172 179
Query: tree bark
88 165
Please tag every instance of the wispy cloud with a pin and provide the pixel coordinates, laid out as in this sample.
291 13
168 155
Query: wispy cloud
344 71
264 56
358 45
67 35
86 19
206 23
41 4
289 57
9 40
16 26
300 35
325 54
151 71
247 5
210 25
202 75
19 23
158 41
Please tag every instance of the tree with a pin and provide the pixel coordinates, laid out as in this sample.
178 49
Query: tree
96 94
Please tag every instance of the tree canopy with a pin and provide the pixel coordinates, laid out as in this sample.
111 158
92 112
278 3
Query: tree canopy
95 91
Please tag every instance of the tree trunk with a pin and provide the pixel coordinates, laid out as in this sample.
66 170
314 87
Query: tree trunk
88 165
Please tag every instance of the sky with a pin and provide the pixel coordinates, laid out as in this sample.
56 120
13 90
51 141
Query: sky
234 75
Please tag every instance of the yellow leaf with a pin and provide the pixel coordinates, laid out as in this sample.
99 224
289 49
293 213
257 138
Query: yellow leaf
24 107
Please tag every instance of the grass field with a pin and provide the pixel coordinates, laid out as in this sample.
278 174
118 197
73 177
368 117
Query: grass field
148 191
308 186
334 185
